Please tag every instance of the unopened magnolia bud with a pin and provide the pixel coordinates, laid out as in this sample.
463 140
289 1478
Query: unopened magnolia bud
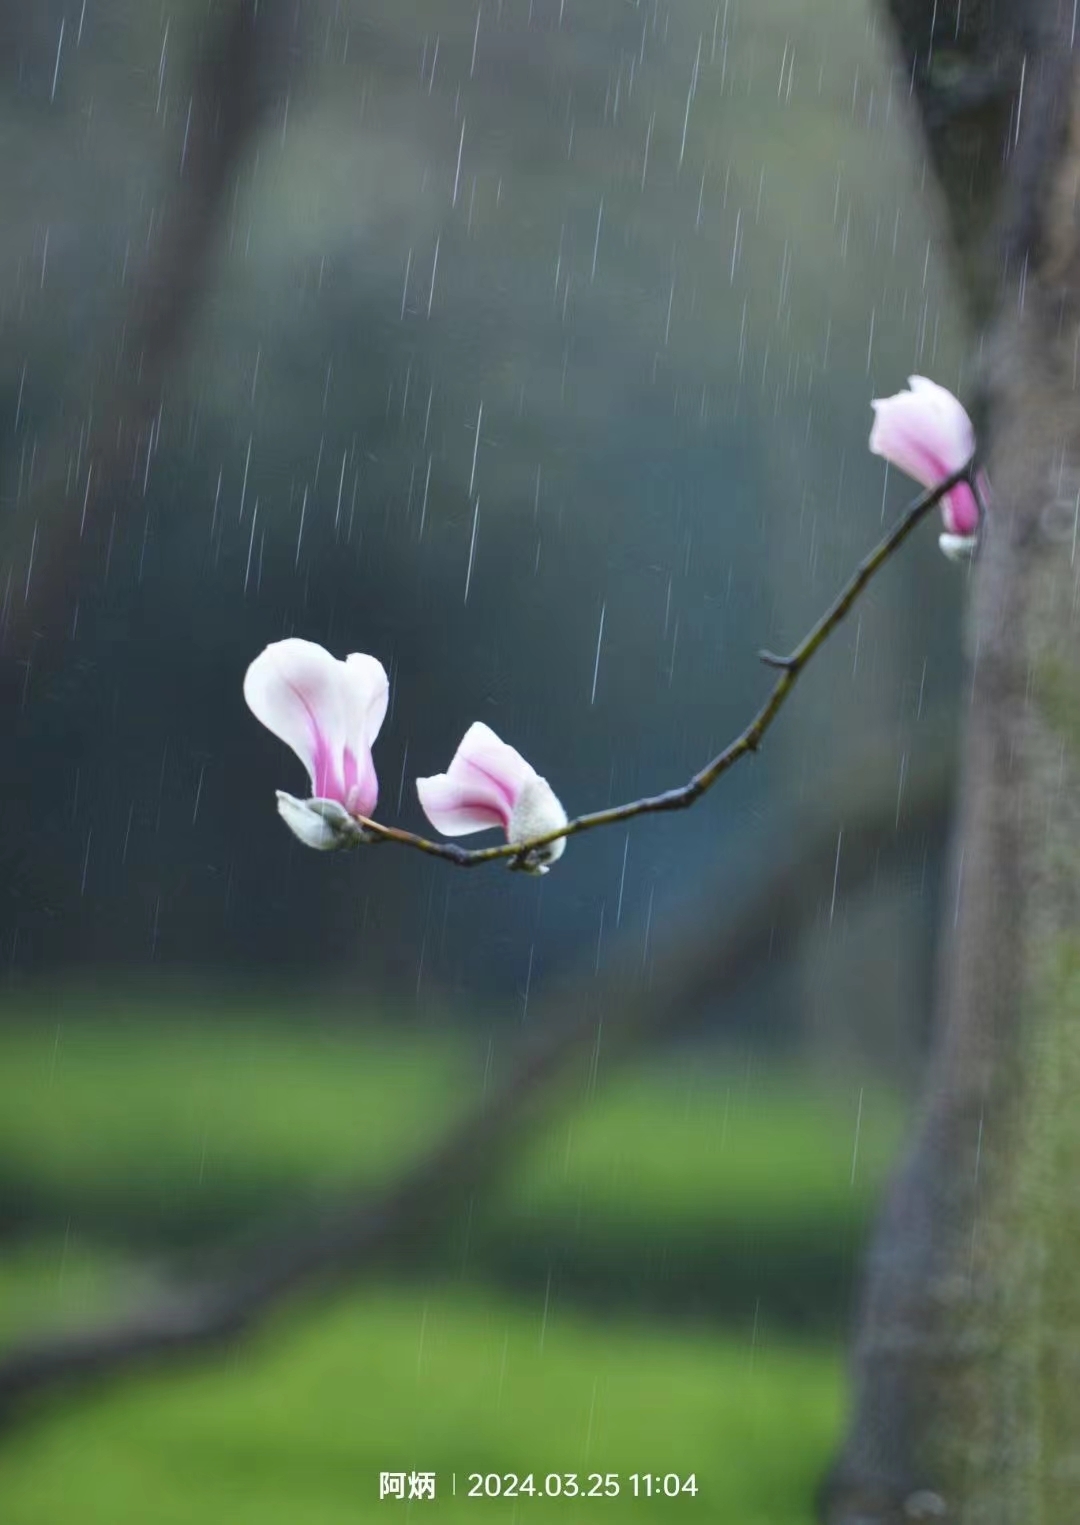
958 547
536 812
323 824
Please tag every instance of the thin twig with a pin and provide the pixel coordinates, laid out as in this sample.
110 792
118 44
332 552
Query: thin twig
790 668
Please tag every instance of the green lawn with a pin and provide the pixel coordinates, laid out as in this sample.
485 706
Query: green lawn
178 1119
629 1301
192 1109
297 1426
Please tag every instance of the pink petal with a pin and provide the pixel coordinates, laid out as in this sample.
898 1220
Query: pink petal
912 433
482 751
960 511
328 712
456 810
366 694
479 789
927 434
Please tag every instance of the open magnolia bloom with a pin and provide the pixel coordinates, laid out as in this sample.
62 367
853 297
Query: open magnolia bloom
927 433
489 784
330 713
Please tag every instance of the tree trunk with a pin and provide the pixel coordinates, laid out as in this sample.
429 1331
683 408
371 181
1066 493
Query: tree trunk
966 1404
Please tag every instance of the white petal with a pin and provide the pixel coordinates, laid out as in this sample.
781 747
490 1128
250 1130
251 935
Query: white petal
481 748
294 687
323 709
366 690
479 789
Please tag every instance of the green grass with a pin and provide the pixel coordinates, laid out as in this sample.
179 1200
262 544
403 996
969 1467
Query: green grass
191 1107
297 1426
703 1191
185 1112
56 1284
668 1142
678 1185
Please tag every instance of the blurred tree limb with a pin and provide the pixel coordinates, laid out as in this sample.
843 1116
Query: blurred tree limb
65 523
701 962
965 1406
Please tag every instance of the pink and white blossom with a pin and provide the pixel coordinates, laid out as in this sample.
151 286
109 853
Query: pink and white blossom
489 784
927 434
329 712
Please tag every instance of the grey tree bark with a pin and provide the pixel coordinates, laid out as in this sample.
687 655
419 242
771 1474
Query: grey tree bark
966 1405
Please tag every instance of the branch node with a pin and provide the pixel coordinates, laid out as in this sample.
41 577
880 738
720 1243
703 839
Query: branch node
770 658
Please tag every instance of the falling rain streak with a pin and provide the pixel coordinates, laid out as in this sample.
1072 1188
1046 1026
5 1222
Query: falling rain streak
596 660
472 549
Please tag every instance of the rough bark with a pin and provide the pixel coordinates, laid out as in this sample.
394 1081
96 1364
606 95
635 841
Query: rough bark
965 1404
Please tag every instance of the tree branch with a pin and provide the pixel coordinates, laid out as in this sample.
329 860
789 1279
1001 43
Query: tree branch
520 854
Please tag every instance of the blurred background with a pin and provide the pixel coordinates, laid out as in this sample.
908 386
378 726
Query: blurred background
527 345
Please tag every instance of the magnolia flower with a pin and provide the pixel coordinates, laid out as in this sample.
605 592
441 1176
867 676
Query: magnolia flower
489 784
927 434
329 712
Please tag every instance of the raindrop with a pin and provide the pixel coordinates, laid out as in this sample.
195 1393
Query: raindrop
622 881
596 663
30 563
405 283
457 171
476 448
476 39
59 49
340 490
300 532
528 983
870 342
19 398
187 130
836 875
547 1304
251 544
689 100
243 485
855 1145
423 506
472 549
434 267
645 159
161 65
198 795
